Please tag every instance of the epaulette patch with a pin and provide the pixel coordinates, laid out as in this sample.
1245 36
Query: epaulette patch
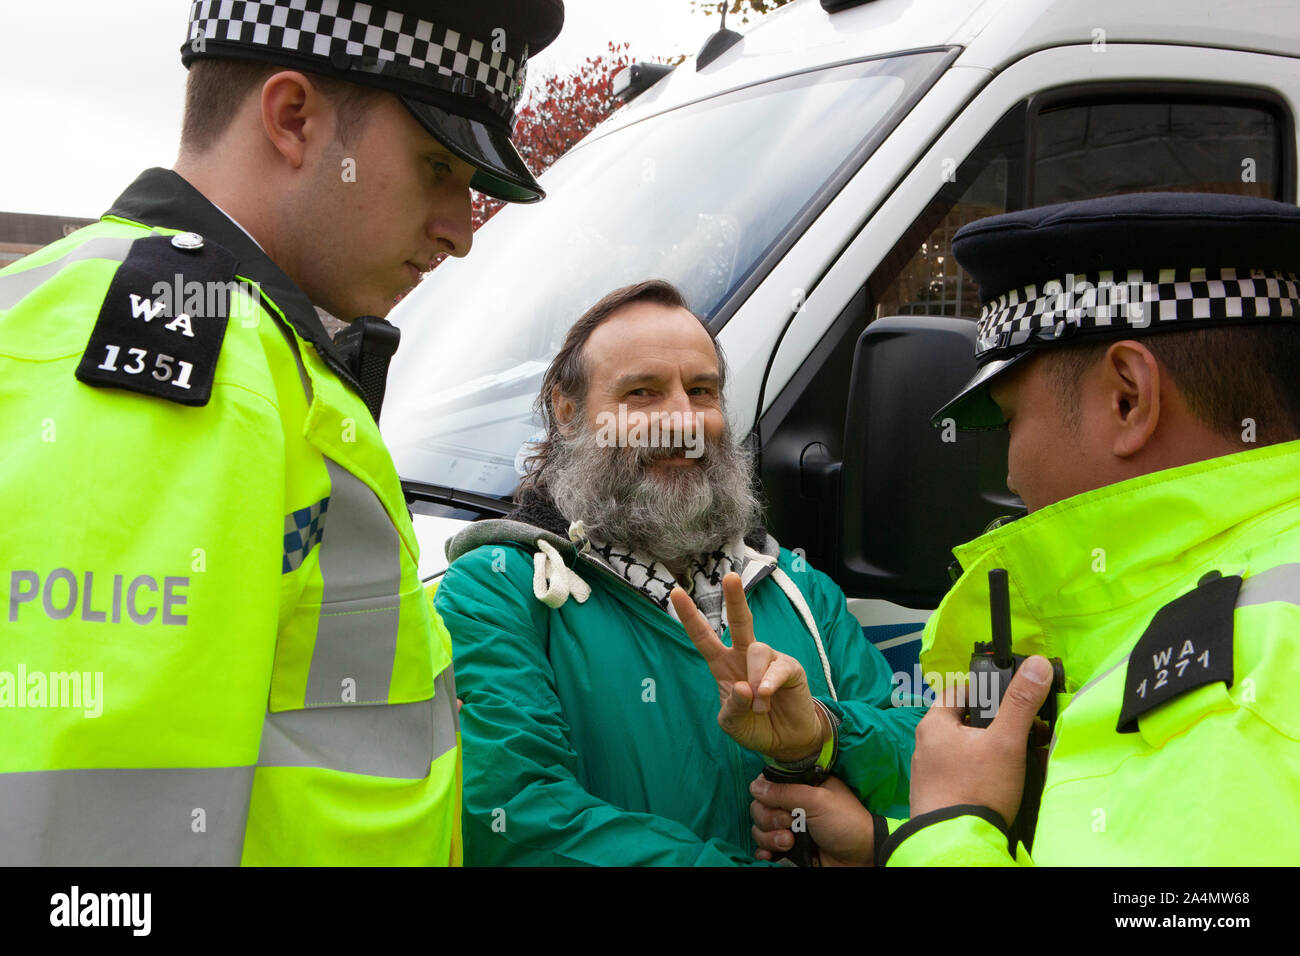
1187 645
163 320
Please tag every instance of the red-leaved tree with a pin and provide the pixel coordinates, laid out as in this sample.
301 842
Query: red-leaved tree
558 114
555 117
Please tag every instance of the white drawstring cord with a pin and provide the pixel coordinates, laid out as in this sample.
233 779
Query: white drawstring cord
796 598
553 580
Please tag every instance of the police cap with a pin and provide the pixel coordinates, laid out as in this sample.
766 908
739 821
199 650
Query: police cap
458 65
1121 267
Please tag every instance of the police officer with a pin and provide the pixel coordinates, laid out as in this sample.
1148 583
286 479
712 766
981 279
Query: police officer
1141 350
216 645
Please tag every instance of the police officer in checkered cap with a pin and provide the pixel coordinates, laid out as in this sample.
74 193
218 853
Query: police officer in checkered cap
457 65
1143 352
244 572
1133 265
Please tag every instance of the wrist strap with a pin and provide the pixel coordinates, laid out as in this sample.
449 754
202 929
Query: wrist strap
817 767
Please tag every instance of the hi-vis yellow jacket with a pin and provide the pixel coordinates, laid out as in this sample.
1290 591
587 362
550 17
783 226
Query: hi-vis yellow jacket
1173 600
215 646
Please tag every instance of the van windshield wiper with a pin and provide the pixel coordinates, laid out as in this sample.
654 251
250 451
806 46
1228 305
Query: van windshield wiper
486 505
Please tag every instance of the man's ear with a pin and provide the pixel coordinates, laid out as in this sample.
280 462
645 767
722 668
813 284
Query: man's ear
1132 379
293 114
563 408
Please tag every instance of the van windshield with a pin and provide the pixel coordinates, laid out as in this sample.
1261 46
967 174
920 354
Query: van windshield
699 195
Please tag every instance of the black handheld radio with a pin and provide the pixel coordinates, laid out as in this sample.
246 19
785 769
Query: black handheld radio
992 665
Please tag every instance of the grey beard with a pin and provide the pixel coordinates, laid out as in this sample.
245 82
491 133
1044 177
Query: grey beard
690 511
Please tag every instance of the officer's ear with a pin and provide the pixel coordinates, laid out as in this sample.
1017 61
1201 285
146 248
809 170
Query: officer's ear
295 114
1133 381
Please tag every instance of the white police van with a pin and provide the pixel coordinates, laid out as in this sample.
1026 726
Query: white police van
802 187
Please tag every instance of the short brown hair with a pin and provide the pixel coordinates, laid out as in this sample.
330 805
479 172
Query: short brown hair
217 87
1226 375
569 375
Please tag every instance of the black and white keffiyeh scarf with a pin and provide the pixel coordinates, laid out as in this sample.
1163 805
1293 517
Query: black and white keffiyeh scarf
654 580
641 571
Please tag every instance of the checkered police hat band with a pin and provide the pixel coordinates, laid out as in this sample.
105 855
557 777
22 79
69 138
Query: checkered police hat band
1137 300
370 39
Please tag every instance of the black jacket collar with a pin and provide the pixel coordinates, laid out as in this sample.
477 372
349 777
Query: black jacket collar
162 198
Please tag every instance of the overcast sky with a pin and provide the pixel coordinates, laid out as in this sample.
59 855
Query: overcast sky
91 94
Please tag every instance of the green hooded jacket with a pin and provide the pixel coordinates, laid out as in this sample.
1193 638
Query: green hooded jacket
1210 776
590 730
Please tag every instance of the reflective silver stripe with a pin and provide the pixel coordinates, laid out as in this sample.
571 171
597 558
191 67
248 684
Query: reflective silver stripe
180 817
17 285
446 718
379 740
1281 583
198 816
361 572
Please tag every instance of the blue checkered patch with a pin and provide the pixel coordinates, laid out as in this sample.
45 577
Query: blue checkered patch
303 530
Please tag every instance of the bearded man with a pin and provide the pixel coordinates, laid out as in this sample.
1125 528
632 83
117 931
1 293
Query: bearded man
591 725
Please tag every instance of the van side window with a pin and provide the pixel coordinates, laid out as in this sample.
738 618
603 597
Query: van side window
1063 145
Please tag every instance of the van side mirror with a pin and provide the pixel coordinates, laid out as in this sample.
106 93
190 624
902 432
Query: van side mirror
909 491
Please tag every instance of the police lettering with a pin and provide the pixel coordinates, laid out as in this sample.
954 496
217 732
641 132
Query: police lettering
62 593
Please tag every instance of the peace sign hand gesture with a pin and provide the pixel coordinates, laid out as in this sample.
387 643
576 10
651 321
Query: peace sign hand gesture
780 720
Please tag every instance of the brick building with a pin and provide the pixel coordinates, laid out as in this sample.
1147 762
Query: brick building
22 233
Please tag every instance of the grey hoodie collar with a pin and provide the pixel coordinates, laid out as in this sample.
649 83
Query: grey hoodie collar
525 535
